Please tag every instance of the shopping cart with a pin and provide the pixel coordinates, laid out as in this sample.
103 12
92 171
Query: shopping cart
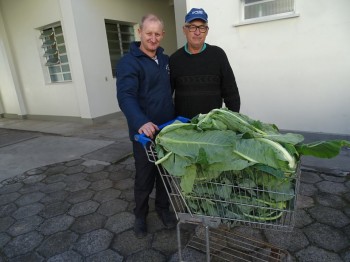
215 214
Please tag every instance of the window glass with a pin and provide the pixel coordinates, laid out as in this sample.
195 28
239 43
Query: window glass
119 37
263 8
54 51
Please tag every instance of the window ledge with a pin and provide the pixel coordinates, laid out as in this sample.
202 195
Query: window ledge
266 19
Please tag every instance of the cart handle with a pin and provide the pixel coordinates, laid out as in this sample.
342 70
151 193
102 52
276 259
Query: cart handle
143 139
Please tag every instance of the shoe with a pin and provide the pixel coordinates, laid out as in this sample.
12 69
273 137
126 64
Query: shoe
140 227
168 218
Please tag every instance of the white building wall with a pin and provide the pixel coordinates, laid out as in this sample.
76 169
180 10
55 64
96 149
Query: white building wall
92 93
291 72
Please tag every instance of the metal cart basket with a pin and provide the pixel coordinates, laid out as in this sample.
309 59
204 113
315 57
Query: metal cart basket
209 206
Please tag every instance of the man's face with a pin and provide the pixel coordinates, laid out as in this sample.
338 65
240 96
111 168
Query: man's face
196 38
151 35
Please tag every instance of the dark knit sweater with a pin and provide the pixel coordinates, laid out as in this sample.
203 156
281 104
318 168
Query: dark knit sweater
202 81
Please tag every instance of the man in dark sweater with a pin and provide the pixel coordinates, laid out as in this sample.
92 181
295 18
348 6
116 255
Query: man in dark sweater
200 74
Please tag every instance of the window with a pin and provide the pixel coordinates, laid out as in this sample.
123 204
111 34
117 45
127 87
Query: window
253 9
55 54
119 37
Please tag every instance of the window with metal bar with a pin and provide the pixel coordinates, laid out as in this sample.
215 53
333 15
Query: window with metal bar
119 37
253 9
55 54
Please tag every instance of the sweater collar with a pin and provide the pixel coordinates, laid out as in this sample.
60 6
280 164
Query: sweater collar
188 51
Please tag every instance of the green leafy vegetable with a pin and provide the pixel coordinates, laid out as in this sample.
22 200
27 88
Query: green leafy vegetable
234 167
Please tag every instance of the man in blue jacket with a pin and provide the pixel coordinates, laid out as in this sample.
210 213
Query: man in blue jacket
144 96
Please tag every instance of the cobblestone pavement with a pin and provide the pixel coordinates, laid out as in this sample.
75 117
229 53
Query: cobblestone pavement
81 210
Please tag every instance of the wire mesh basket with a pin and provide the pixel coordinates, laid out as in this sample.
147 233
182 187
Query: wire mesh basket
254 199
224 245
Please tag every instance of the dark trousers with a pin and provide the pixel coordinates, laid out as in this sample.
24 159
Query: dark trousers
146 175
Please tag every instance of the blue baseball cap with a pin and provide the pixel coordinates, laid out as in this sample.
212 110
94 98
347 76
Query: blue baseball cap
196 13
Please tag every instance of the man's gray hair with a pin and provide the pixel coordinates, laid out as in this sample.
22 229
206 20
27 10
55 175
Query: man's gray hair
152 18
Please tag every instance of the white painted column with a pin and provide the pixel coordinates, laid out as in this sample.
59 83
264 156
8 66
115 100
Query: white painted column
74 56
9 82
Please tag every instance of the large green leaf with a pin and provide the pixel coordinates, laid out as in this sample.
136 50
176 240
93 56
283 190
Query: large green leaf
322 149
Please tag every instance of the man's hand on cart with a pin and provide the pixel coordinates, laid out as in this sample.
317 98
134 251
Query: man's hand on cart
149 129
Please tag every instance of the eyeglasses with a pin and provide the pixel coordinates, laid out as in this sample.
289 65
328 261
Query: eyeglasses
193 28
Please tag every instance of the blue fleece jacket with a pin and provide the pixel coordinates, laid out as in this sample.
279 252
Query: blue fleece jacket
143 88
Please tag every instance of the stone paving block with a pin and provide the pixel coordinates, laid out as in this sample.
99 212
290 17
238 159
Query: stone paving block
80 196
326 237
36 171
25 225
302 218
120 175
49 188
313 253
29 198
5 223
10 188
53 197
346 255
27 211
147 255
120 222
165 241
94 242
93 167
128 195
329 200
112 207
332 187
92 177
54 178
125 184
107 195
114 168
310 177
7 210
56 224
28 188
88 223
57 244
23 244
292 241
153 222
55 169
189 254
329 216
4 239
346 211
55 209
77 185
33 179
333 178
307 190
30 257
8 198
70 256
70 178
101 184
105 256
75 162
83 208
74 170
126 243
305 202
